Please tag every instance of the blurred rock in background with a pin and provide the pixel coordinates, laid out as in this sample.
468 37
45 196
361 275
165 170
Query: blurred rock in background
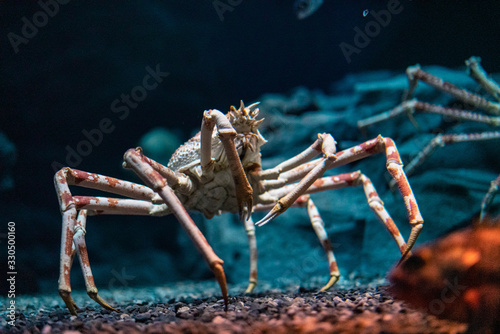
8 156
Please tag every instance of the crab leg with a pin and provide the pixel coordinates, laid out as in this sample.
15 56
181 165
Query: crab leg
81 248
342 181
226 135
293 162
252 242
378 208
153 179
62 179
328 149
289 176
442 140
415 73
412 106
477 72
337 182
326 183
394 166
119 206
409 107
353 179
319 228
105 183
100 205
176 181
488 198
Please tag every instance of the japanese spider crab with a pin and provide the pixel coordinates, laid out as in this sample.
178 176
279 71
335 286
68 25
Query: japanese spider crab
410 107
217 172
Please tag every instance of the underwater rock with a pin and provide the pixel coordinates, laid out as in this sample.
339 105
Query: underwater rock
159 144
449 186
301 99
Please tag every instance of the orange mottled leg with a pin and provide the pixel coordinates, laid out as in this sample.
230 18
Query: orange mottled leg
137 162
81 248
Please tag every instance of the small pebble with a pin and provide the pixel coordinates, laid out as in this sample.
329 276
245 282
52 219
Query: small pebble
142 317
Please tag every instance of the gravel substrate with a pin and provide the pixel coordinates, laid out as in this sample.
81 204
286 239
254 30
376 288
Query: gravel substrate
198 308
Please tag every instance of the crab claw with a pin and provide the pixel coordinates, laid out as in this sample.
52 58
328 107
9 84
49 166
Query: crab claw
95 296
251 286
68 300
334 278
245 206
278 209
415 232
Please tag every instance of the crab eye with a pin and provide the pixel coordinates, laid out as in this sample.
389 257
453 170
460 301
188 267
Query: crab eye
414 262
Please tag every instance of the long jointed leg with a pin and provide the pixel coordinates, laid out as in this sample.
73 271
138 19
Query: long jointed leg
81 249
68 211
252 243
378 208
328 149
414 106
226 135
340 181
409 107
269 175
393 164
104 183
319 228
353 179
395 167
415 74
442 140
73 229
134 160
119 206
488 198
477 72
